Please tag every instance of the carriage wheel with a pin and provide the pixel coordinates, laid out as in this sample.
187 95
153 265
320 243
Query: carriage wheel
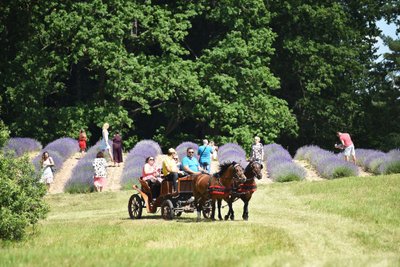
135 207
167 210
178 214
207 210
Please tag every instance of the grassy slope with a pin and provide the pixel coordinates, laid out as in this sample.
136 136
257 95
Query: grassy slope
352 221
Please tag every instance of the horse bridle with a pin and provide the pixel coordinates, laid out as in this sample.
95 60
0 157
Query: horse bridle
252 169
236 175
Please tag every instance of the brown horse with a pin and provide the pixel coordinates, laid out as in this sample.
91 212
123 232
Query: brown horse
218 186
244 191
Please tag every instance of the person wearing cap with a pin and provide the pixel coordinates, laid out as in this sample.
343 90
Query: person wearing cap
170 170
190 164
204 153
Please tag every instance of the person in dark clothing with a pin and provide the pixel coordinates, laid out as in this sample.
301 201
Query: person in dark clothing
117 149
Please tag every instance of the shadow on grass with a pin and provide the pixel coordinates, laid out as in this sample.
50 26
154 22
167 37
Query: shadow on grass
181 219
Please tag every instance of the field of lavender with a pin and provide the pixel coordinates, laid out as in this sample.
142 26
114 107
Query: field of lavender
280 165
327 164
136 159
81 180
378 162
18 146
60 150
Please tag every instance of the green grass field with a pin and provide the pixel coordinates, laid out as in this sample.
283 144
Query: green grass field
344 222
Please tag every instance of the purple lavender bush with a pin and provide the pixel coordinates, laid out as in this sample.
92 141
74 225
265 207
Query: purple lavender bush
18 146
391 163
181 149
287 171
231 152
135 161
280 166
81 180
327 164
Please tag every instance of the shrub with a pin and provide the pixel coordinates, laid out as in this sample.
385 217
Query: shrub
280 166
135 160
231 152
21 197
19 146
81 180
327 164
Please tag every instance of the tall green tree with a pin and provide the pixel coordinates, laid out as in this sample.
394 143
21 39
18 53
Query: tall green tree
176 69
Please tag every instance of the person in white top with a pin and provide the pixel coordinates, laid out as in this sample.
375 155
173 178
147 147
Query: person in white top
46 163
105 145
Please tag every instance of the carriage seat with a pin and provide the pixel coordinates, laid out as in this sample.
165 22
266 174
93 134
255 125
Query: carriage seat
145 186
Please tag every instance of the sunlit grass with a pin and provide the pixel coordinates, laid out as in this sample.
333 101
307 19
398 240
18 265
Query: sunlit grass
347 222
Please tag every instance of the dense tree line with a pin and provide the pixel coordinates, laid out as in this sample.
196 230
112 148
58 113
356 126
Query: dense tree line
290 71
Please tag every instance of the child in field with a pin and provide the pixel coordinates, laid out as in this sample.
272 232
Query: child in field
100 171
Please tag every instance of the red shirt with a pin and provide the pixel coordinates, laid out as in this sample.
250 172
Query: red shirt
346 140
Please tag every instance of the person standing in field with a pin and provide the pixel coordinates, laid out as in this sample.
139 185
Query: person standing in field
82 142
347 145
117 149
205 151
46 163
257 151
215 150
105 145
100 171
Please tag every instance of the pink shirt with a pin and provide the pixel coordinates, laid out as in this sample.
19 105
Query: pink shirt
149 171
346 140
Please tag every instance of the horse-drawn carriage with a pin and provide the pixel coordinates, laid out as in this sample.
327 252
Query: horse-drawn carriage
198 192
172 204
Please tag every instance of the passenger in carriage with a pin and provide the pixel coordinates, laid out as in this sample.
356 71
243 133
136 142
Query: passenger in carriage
151 175
190 163
170 169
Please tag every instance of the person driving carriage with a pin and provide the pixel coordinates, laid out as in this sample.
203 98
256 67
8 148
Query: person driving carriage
170 169
190 163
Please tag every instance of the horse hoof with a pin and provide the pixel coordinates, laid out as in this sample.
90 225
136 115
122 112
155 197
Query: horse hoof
213 219
245 218
220 218
226 217
232 218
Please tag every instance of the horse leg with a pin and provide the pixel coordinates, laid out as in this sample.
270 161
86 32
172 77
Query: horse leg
213 210
245 209
219 209
230 213
198 206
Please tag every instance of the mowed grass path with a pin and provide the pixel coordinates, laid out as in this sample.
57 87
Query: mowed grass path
344 222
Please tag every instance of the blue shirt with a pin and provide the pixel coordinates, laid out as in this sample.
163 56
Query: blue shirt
206 155
192 163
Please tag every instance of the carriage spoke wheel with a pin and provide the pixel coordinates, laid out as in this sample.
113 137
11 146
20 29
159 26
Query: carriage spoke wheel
135 207
167 210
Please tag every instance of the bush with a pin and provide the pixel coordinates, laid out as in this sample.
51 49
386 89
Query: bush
21 197
18 146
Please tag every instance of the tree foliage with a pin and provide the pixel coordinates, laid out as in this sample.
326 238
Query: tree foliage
179 70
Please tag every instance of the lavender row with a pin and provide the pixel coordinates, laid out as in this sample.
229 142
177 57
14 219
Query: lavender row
81 179
378 162
136 159
20 145
280 165
232 152
60 150
327 164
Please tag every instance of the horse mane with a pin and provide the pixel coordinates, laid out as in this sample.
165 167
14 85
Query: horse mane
224 166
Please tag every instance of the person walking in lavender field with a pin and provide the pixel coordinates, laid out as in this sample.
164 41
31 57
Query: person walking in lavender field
105 145
46 164
100 171
347 145
82 142
117 149
257 151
